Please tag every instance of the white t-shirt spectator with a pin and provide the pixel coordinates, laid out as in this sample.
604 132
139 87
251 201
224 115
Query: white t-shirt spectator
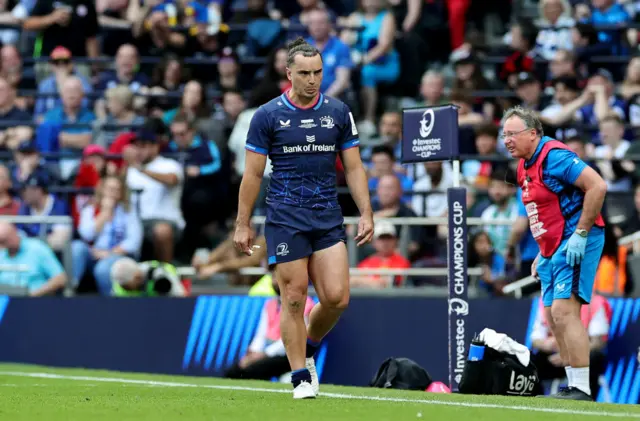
436 203
156 200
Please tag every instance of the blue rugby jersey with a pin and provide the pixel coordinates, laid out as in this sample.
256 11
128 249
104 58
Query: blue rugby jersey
302 144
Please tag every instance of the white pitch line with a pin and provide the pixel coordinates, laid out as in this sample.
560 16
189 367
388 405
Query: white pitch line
328 395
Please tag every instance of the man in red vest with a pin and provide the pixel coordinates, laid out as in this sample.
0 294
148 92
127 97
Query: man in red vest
563 197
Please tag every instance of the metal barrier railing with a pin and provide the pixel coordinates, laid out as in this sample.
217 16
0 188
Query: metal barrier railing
67 258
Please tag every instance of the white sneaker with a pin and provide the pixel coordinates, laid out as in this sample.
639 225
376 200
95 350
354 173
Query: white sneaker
303 391
310 364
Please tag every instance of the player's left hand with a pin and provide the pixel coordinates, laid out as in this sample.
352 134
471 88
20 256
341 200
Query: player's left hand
365 230
575 249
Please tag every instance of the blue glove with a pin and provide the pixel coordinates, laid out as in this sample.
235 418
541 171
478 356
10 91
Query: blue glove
575 249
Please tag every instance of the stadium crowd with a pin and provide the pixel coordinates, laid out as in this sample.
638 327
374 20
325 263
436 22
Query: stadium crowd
145 154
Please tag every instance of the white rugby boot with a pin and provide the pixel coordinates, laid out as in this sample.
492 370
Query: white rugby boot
303 391
310 364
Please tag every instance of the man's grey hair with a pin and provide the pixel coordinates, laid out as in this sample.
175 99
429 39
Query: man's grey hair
124 270
528 117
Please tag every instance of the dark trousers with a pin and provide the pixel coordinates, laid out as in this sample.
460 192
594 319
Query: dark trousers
264 369
547 371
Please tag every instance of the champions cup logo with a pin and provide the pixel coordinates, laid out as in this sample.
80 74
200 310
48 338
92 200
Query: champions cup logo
426 124
424 147
459 307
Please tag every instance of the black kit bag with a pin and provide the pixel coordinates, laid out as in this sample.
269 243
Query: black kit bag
401 373
498 373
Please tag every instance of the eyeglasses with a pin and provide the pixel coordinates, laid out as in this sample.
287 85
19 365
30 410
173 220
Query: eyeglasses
504 136
58 62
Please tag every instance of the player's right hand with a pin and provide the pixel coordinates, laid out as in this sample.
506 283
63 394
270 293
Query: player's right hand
243 239
534 267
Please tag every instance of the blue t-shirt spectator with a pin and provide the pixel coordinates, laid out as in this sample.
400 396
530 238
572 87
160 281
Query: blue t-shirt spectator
39 260
614 15
335 54
47 99
54 207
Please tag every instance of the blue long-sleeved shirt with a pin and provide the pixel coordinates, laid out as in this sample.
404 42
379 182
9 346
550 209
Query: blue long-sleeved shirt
123 230
202 154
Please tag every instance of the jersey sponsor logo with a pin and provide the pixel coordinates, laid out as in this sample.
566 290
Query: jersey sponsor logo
285 123
309 148
327 122
354 130
307 124
282 249
536 226
311 138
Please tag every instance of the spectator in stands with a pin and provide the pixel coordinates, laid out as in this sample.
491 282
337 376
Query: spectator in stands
127 71
120 117
529 91
44 274
203 200
60 61
383 162
226 259
557 22
73 25
385 242
586 45
303 18
37 201
109 229
609 12
617 176
380 60
336 56
222 122
9 205
390 133
273 80
605 99
432 89
436 181
613 274
230 76
504 206
630 86
565 91
522 37
160 181
563 65
93 168
27 160
207 34
596 318
387 203
14 122
21 79
145 279
71 140
194 104
266 357
169 77
477 172
152 32
483 254
466 114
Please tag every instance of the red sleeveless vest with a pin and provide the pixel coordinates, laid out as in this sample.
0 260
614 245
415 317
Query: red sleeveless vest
546 219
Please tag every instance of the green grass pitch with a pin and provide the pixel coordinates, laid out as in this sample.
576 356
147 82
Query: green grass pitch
40 393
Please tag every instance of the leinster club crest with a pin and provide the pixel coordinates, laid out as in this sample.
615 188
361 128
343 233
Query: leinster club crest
327 122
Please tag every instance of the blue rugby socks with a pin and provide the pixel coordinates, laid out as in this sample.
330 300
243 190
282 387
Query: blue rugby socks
312 347
300 376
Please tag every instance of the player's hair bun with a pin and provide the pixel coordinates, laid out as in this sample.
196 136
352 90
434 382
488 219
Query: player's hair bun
296 43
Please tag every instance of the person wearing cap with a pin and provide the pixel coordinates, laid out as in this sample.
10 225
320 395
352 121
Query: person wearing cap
385 242
27 160
37 201
160 181
529 91
92 168
145 279
61 64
